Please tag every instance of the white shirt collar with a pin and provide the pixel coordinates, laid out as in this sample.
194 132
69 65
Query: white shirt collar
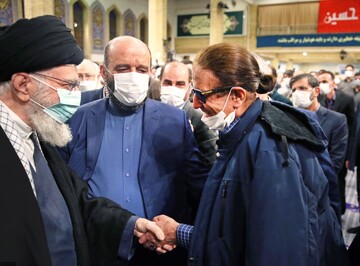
21 127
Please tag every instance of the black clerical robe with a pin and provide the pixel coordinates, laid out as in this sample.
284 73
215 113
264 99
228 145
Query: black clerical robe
97 223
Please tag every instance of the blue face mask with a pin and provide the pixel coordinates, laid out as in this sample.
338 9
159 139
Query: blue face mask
67 106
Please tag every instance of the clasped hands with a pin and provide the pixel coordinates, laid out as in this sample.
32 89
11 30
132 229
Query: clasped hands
162 240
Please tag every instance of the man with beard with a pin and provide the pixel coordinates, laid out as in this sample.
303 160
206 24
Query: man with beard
139 152
47 217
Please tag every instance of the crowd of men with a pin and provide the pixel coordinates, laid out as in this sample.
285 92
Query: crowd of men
107 165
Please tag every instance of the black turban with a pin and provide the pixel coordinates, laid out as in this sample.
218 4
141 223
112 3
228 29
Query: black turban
36 44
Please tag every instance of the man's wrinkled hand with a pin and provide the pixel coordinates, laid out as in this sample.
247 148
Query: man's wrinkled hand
168 226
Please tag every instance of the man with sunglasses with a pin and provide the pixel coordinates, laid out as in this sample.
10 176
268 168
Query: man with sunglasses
265 201
47 217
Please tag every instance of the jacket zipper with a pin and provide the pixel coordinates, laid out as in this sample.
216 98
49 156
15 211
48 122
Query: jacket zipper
222 207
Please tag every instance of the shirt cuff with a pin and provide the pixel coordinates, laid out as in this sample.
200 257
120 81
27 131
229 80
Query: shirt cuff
184 234
127 247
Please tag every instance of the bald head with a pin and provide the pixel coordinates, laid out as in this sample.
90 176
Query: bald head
176 74
175 68
88 70
128 46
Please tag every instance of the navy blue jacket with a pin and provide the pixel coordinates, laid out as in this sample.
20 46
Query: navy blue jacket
266 198
170 166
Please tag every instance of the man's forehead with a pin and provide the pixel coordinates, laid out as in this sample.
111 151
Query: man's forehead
324 76
86 68
128 50
65 71
176 70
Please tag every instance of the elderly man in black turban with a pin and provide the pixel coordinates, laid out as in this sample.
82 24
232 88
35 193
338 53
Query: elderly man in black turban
46 216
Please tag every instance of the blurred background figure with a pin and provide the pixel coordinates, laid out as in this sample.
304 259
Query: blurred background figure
349 76
175 80
284 84
274 95
89 75
353 90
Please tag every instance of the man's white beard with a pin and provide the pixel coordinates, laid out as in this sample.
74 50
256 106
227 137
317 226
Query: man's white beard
48 129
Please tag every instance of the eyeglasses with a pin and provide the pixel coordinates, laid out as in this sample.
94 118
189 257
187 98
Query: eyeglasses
73 84
202 95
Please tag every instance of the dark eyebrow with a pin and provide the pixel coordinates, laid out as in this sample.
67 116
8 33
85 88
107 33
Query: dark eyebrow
167 81
143 66
121 65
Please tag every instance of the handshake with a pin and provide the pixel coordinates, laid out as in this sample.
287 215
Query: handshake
159 235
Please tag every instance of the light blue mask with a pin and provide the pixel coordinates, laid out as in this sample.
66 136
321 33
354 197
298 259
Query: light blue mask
62 111
69 103
67 106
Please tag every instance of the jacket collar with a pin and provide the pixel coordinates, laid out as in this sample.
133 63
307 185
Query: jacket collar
282 119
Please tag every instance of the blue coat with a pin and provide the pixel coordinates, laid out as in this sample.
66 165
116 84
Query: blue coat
171 173
91 95
266 198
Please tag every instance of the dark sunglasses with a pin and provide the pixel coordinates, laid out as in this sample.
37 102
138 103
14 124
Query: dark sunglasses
202 95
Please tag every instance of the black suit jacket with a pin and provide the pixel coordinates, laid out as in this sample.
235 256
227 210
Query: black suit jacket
335 127
354 149
344 104
97 223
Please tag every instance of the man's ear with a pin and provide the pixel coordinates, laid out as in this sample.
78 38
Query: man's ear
316 91
238 95
103 71
21 84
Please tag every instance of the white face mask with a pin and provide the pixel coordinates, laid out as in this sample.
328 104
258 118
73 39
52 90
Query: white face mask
172 95
302 99
285 83
87 85
131 88
348 73
325 88
220 120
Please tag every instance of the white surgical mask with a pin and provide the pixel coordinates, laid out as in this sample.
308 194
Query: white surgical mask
325 88
131 88
285 83
302 99
348 73
172 95
87 85
220 120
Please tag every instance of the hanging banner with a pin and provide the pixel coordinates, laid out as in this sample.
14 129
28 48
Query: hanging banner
339 16
309 40
199 24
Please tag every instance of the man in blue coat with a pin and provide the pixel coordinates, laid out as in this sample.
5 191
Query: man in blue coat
265 201
305 96
136 151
